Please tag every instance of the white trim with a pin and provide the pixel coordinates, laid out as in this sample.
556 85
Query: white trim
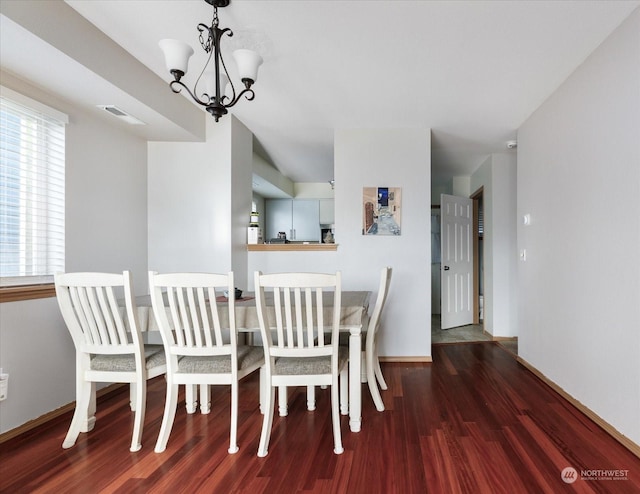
10 94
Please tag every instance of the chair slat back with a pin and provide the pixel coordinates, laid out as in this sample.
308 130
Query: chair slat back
99 310
191 318
305 315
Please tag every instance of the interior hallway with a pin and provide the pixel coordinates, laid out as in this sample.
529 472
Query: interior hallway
465 334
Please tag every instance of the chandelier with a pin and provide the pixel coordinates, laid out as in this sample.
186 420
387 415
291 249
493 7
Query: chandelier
215 97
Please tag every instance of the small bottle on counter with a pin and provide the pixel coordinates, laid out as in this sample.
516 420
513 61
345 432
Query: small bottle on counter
254 234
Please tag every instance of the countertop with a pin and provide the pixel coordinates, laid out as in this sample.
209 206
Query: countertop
291 247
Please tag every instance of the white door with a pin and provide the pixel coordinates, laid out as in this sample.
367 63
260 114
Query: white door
456 235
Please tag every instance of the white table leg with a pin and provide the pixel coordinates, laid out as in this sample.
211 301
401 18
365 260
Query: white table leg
355 387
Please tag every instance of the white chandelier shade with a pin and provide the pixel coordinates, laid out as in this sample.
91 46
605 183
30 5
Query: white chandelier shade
248 62
176 54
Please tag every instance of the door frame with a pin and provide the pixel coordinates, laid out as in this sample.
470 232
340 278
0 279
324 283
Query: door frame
476 196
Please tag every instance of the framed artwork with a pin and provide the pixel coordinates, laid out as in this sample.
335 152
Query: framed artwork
381 210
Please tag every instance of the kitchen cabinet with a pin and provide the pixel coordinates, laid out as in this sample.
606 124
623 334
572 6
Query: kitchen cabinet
327 212
299 219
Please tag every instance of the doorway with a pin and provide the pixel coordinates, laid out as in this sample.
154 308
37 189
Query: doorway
474 331
478 257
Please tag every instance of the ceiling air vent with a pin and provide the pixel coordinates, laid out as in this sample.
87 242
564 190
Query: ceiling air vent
122 115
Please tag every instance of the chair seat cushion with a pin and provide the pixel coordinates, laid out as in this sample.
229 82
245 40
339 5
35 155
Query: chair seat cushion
153 354
220 364
300 366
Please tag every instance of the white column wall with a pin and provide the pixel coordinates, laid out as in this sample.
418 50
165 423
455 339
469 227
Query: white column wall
241 173
394 158
483 177
497 176
200 200
579 179
504 245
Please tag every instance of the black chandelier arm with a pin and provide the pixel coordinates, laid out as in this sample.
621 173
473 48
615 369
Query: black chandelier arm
249 95
182 86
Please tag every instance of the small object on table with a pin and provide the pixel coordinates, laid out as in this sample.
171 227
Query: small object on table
237 294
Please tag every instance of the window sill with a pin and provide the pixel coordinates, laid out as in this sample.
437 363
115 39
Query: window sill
26 292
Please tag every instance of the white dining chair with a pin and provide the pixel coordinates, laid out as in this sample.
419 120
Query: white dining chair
372 373
370 351
306 352
198 328
100 312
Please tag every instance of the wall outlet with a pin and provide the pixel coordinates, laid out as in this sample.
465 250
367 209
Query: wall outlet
4 385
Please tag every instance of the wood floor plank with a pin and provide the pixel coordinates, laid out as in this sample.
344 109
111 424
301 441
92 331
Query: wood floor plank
472 421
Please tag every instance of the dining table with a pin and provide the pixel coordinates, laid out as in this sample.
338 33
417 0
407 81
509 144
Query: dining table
353 316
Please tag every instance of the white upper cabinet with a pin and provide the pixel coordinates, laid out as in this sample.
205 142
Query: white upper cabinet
299 219
327 212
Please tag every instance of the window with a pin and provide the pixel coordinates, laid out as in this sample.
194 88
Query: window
32 189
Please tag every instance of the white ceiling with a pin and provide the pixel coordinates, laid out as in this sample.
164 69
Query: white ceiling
472 71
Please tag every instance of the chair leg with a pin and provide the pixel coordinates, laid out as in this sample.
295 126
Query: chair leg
190 397
132 396
233 439
267 421
344 391
205 399
378 372
282 401
83 397
140 408
311 398
335 415
170 405
373 385
89 421
264 388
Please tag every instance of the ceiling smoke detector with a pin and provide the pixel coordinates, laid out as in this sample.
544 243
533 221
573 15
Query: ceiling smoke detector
121 114
512 144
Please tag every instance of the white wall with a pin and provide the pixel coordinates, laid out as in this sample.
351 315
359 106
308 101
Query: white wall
497 176
106 218
200 200
394 158
483 177
440 188
579 179
505 254
313 190
241 165
461 186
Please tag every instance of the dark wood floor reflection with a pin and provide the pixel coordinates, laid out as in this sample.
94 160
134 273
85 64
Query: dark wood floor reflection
473 421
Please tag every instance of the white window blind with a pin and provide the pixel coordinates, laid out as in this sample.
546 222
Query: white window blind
32 191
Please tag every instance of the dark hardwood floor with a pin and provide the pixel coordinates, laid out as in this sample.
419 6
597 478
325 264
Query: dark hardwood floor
473 421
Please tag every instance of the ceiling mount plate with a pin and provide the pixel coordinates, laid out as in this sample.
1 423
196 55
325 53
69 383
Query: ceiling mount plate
218 3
